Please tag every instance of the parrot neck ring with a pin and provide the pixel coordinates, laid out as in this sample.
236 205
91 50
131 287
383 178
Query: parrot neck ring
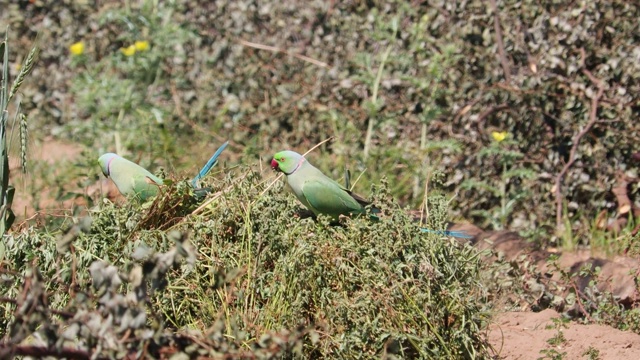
108 167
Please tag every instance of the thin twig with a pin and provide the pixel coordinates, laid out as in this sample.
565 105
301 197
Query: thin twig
499 42
465 109
278 50
74 270
579 295
587 72
424 208
357 179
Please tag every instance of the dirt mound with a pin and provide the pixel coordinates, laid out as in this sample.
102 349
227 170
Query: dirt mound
527 334
616 273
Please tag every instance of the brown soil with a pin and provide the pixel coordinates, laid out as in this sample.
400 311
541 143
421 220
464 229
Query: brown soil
522 335
53 152
514 335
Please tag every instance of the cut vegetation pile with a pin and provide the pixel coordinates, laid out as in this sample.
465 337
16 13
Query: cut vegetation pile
245 275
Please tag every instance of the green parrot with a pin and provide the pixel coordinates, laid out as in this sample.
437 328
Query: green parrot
129 177
321 194
132 179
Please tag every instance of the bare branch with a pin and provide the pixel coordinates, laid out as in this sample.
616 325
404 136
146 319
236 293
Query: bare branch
499 42
593 118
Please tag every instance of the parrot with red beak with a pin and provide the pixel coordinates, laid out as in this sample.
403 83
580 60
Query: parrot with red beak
321 194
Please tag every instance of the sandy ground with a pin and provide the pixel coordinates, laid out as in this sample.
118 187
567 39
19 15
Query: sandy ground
523 335
52 152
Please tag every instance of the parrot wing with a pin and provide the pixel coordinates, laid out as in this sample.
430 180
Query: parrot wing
326 196
131 178
145 186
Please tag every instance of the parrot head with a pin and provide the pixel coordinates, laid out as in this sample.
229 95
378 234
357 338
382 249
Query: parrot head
287 161
105 161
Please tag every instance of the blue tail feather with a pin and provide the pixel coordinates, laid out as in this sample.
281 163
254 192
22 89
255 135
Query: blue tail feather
454 233
211 163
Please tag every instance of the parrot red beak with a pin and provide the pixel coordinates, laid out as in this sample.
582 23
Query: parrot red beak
274 164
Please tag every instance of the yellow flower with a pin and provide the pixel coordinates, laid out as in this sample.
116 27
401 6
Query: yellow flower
499 135
129 50
142 45
77 48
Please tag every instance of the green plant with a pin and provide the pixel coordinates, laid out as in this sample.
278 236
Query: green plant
594 302
552 354
7 191
125 91
374 105
508 187
262 276
557 341
592 353
611 242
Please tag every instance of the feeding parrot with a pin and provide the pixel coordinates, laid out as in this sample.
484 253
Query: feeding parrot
132 179
321 194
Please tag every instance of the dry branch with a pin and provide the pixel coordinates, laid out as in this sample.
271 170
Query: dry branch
593 118
490 111
9 351
499 42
